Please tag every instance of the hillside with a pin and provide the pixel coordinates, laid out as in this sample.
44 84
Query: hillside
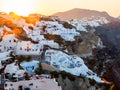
71 47
81 13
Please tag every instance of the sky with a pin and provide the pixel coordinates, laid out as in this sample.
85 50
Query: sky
48 7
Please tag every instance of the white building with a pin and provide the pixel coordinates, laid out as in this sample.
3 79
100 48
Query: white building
30 66
28 48
38 84
3 57
14 69
8 42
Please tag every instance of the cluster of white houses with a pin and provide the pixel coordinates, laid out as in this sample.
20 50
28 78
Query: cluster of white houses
9 42
55 28
69 63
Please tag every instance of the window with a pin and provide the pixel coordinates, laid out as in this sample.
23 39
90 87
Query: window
10 47
20 48
11 84
5 85
31 84
14 40
40 49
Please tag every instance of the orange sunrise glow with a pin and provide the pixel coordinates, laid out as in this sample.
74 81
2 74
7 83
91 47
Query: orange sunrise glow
48 7
21 7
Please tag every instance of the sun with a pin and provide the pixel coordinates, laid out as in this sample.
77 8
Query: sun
21 7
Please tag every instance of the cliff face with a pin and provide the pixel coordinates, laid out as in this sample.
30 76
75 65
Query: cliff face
110 34
85 43
79 84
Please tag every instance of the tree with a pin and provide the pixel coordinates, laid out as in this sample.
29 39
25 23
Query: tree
39 70
28 58
54 74
56 38
67 25
27 77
